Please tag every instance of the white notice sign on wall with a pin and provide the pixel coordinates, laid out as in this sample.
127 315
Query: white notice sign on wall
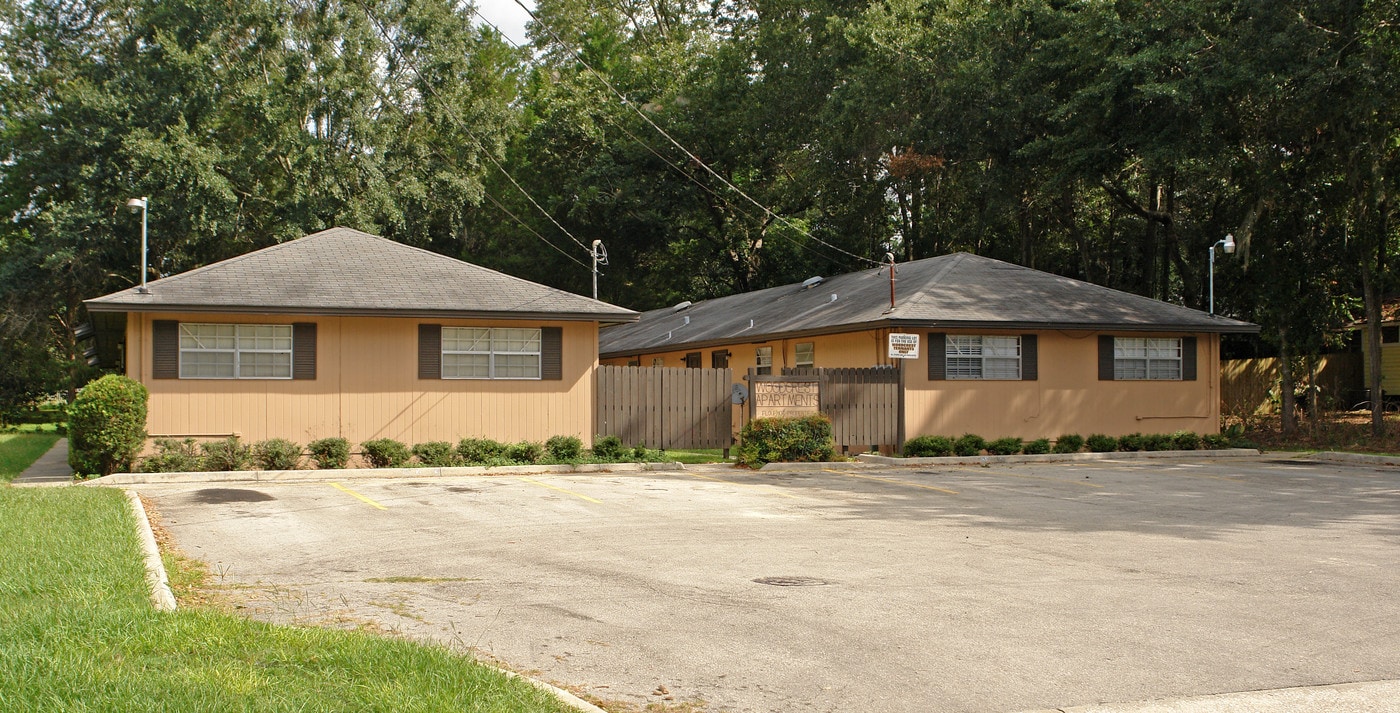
904 346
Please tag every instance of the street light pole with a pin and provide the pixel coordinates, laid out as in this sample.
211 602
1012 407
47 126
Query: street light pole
1229 245
134 205
600 257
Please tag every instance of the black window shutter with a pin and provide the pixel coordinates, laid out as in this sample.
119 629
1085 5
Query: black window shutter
304 350
1030 357
165 349
1105 357
552 353
1188 358
937 356
430 351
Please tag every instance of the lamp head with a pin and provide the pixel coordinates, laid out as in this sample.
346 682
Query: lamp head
1229 244
136 205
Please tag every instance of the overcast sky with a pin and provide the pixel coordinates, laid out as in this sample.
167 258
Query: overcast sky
506 15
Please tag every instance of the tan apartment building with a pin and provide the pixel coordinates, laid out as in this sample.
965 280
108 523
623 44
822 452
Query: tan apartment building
343 333
1004 350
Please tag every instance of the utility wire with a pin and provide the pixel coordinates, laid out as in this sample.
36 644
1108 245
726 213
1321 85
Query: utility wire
766 210
393 47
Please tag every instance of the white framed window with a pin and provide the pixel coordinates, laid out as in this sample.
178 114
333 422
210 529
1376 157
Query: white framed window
763 359
235 351
490 353
983 357
1147 359
806 354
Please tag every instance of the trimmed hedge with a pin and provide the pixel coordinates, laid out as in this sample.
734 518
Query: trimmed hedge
1037 447
277 454
804 439
173 456
608 448
1069 443
1099 443
436 454
384 453
928 447
330 453
478 451
1004 447
565 448
525 452
969 444
227 454
107 425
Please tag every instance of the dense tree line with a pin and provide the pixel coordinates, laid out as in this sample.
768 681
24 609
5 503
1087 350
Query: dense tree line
715 146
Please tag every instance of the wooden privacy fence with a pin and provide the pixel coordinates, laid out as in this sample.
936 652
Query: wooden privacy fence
664 407
1245 383
866 406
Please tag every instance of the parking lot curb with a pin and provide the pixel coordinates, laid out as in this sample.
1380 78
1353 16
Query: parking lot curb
1056 457
564 696
161 597
290 476
1357 458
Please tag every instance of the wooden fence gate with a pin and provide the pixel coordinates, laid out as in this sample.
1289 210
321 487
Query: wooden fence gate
664 407
866 406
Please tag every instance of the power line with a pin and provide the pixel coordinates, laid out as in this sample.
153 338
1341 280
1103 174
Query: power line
627 102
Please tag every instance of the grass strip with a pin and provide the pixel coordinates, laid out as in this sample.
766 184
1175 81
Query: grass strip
19 451
80 635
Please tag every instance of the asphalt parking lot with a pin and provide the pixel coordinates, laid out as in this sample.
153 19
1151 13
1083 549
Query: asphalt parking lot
996 589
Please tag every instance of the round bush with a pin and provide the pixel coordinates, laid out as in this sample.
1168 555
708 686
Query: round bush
1069 443
479 451
928 447
384 453
1186 440
107 425
1099 443
1037 447
227 454
608 448
969 445
564 448
1132 442
173 456
1004 447
1159 442
525 452
330 453
277 454
1215 441
436 454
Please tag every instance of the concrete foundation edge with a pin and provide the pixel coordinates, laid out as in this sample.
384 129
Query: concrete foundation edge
161 596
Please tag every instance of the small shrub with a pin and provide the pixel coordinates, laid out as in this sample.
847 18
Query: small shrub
1159 442
608 448
1069 443
565 448
1186 440
640 453
1215 441
384 453
804 439
173 456
436 454
969 445
330 453
1099 443
1037 447
928 447
1004 447
107 423
1131 442
525 452
481 451
227 454
277 454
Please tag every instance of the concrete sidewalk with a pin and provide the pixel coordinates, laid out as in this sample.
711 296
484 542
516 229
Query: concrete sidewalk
51 468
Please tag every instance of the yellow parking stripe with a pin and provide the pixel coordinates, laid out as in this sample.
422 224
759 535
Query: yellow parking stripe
892 480
553 487
354 494
745 485
1031 477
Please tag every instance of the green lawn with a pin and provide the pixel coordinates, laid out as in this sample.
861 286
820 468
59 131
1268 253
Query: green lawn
80 635
694 456
19 450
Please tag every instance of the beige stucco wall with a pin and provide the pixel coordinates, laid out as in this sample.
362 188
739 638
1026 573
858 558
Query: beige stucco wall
367 387
1066 398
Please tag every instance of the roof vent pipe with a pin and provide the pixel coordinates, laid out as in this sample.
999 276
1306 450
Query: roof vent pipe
833 297
681 306
687 319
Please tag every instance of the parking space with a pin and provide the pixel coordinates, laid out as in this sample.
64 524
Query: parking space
1002 588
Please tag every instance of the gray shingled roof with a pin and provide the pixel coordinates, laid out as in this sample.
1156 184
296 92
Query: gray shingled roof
950 291
347 272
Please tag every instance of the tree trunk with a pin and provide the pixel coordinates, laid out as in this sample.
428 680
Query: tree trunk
1287 422
1372 334
1313 401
